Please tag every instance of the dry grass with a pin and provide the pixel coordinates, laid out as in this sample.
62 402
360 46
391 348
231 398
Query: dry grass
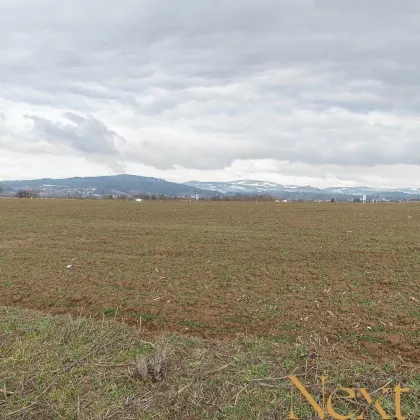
54 367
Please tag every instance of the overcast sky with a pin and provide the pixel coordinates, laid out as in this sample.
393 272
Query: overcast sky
292 91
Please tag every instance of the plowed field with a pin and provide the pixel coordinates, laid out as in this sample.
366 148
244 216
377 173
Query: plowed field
337 273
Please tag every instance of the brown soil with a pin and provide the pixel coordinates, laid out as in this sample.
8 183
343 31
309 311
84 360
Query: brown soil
336 273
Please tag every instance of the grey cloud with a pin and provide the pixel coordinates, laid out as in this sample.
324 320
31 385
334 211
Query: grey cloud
201 84
85 135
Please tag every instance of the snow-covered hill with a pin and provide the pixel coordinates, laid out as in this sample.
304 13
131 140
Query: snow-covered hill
249 186
372 191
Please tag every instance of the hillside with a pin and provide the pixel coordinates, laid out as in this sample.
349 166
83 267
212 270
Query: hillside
118 184
133 184
308 192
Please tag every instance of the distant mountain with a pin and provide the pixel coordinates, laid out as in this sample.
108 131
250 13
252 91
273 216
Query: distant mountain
249 186
372 191
132 184
100 185
253 187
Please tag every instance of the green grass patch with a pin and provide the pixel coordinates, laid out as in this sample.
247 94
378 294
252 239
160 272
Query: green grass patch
59 367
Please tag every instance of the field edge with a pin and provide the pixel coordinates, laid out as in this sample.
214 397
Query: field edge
78 368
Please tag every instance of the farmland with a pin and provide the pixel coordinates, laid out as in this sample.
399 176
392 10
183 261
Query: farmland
335 274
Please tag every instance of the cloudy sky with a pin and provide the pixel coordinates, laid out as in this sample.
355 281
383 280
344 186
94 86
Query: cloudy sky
319 92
